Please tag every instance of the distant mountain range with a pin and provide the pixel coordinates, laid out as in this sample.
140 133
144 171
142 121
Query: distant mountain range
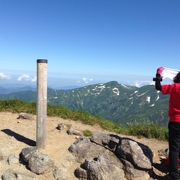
113 101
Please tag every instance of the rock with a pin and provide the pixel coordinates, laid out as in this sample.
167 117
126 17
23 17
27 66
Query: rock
12 159
105 167
72 131
9 175
103 154
101 139
61 126
81 173
60 173
139 155
25 116
26 153
83 149
109 141
12 175
40 163
134 174
163 153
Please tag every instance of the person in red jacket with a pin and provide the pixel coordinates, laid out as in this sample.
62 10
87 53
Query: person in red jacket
174 121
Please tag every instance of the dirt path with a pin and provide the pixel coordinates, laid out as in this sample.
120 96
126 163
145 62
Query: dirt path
57 143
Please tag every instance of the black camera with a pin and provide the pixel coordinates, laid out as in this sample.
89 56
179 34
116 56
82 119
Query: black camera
157 79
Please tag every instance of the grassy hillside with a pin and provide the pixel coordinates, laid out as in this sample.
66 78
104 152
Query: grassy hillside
148 130
113 101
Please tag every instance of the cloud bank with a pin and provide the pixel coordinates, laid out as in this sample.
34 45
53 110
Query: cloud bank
27 78
4 76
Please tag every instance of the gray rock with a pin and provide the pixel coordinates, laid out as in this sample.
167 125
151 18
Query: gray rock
139 155
105 167
12 175
9 175
103 155
61 126
12 159
26 153
83 149
134 174
106 140
101 139
81 173
72 131
23 115
60 173
163 153
40 163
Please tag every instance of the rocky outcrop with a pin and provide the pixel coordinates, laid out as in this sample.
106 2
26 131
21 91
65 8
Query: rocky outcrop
105 166
107 157
23 115
83 149
138 154
102 157
36 161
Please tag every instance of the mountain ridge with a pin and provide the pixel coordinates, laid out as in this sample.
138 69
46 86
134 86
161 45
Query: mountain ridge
117 102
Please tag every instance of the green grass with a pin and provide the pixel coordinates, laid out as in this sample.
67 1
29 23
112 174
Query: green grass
147 130
87 133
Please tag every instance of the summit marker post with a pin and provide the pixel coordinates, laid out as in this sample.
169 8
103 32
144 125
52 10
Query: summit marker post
41 121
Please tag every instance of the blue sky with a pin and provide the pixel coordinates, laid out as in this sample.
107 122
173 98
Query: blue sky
122 40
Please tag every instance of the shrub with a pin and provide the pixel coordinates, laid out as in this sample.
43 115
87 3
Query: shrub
148 130
87 133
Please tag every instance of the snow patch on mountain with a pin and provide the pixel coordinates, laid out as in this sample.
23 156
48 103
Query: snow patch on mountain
157 98
142 94
125 86
134 93
116 91
148 99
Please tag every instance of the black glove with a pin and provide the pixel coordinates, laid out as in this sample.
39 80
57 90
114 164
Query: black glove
157 78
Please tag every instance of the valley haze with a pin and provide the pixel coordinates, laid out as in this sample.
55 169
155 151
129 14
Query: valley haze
69 80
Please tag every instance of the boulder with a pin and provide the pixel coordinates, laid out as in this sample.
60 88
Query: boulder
132 173
105 167
12 159
23 115
61 126
83 149
107 140
60 173
26 153
138 154
40 163
103 155
72 131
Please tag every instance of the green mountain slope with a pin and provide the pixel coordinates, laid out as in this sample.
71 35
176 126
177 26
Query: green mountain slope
113 101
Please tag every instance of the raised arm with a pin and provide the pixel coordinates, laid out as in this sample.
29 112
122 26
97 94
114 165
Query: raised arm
158 80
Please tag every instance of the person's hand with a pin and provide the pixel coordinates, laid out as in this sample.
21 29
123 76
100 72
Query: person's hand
158 77
159 72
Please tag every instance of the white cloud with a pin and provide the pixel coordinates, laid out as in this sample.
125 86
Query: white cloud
87 80
34 79
26 77
4 76
142 83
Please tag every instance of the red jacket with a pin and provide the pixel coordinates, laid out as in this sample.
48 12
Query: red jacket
174 101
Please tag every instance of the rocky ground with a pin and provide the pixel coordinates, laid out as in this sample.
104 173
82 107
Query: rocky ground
17 134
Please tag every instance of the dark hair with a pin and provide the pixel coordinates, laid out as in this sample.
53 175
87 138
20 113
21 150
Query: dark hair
177 78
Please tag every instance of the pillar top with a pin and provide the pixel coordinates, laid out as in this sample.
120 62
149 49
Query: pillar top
42 61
